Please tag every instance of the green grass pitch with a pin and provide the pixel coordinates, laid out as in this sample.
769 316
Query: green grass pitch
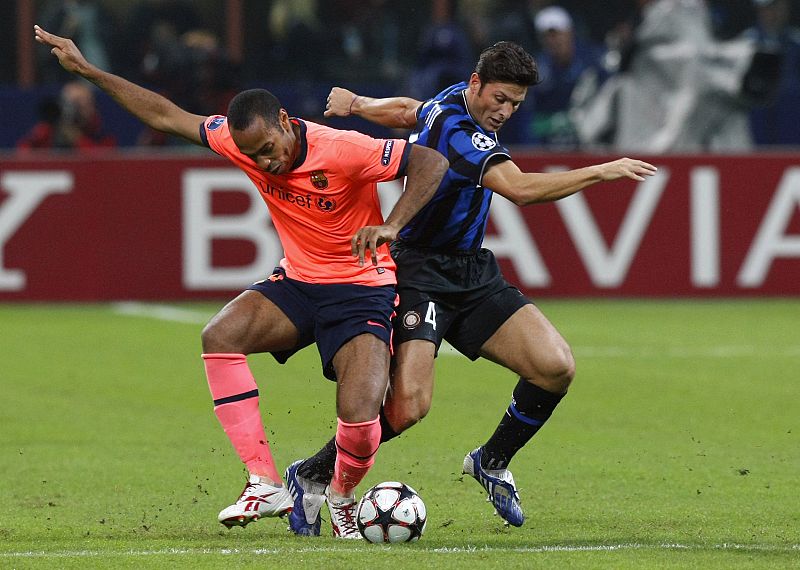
677 447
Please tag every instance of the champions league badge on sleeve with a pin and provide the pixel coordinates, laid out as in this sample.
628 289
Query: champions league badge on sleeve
482 142
215 123
387 152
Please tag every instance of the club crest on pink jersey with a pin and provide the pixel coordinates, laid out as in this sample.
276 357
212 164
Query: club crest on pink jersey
319 180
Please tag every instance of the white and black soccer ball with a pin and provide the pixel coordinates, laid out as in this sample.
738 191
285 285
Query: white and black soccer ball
391 512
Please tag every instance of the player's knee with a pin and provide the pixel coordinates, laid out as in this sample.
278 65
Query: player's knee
358 412
558 371
358 400
210 338
562 369
566 364
410 409
411 415
216 339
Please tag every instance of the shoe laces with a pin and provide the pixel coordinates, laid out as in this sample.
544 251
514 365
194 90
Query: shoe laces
346 515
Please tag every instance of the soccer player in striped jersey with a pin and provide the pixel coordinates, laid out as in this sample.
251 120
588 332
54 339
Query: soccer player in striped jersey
320 186
450 287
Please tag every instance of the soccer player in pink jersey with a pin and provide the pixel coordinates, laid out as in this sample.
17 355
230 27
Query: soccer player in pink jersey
320 187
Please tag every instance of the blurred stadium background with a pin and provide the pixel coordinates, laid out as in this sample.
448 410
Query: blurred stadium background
200 52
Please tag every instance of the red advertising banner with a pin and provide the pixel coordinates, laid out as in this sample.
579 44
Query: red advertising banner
115 226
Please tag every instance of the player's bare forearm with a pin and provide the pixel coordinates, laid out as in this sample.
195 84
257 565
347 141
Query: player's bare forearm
525 188
391 112
152 109
149 107
426 167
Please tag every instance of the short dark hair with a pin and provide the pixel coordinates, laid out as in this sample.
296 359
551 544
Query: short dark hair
248 105
507 62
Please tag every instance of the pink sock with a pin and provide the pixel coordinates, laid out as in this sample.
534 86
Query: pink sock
356 446
236 406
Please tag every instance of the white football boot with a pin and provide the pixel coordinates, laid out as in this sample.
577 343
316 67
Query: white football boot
258 499
343 515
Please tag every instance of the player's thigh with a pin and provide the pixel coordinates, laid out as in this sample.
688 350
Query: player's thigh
529 344
248 324
362 372
411 386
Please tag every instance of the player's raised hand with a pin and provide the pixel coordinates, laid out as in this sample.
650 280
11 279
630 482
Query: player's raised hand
370 238
626 168
68 54
340 103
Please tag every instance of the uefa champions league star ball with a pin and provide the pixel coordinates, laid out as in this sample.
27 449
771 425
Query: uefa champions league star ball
391 512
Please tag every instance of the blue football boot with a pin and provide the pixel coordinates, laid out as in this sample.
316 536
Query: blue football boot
499 484
308 496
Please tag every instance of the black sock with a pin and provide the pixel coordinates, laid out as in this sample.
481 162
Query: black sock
530 408
387 431
319 467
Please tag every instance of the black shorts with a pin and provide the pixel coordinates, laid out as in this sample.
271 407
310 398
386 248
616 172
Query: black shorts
461 298
329 315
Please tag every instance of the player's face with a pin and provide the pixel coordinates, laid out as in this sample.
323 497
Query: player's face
492 104
272 149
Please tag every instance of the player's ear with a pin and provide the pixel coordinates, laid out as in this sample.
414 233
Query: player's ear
283 119
474 82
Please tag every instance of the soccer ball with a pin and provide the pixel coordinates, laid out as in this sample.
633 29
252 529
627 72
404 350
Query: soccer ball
391 512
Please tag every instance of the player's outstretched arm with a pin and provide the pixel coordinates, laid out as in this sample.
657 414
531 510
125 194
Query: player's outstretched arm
391 112
425 170
525 188
149 107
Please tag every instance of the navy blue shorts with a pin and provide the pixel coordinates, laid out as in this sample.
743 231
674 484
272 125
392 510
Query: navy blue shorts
329 315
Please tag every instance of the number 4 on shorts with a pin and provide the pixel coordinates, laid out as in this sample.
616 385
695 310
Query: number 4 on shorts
430 315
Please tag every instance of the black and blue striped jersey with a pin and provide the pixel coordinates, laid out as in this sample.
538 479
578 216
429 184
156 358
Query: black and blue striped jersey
455 218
